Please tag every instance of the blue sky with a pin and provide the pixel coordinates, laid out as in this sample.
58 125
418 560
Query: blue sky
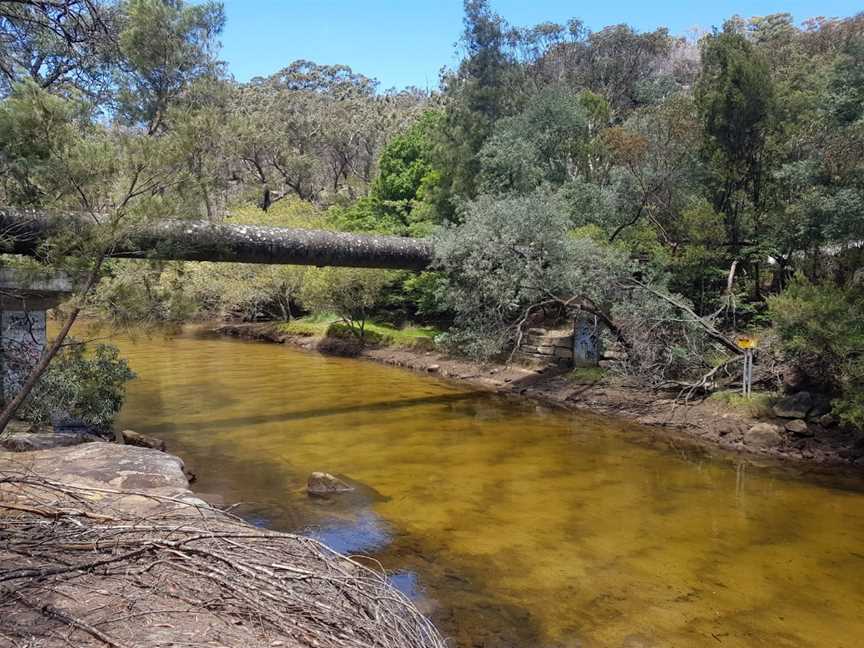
406 42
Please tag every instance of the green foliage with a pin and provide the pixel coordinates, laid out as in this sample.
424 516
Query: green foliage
758 405
47 141
734 95
351 293
821 330
543 144
511 253
67 47
397 200
323 325
89 385
166 46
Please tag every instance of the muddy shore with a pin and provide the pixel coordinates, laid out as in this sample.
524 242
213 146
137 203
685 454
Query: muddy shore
707 423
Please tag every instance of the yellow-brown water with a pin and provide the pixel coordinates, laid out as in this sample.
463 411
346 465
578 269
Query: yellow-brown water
512 525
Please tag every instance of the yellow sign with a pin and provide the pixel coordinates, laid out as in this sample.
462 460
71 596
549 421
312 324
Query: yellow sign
747 342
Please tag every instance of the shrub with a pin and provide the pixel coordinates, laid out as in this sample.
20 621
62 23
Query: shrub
351 293
821 332
88 385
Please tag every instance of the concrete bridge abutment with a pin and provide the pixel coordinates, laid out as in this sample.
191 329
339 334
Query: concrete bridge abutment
24 301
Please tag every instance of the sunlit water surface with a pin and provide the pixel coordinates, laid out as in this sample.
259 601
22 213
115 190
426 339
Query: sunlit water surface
512 525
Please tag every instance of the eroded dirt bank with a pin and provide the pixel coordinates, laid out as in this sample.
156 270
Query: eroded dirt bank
708 423
105 545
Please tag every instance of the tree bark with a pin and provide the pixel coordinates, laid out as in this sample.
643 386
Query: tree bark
202 241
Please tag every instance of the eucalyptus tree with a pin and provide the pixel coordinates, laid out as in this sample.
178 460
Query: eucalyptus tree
314 131
165 46
63 45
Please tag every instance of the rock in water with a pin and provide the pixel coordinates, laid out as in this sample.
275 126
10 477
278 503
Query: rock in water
321 483
763 435
130 437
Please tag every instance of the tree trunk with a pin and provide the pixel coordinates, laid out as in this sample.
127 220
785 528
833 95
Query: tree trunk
202 241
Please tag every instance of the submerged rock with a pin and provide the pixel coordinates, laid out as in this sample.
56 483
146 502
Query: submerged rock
321 483
763 435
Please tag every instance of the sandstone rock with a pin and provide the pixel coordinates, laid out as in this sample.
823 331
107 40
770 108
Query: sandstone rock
321 483
798 428
131 437
796 406
821 406
725 427
115 467
433 368
828 420
763 435
32 441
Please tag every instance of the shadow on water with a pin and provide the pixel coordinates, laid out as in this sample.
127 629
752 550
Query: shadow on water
364 408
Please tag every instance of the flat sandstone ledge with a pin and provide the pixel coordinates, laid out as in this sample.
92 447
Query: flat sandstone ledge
105 545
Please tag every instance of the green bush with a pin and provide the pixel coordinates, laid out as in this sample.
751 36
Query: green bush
351 293
88 385
821 330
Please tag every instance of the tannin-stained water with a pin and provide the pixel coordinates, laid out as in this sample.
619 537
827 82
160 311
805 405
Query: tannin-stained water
512 525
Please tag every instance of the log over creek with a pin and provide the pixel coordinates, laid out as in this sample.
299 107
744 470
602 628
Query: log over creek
192 240
511 524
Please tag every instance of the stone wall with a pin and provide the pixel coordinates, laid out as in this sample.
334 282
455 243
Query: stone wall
554 348
543 348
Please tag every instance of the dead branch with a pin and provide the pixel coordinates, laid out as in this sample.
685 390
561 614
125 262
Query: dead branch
712 332
242 585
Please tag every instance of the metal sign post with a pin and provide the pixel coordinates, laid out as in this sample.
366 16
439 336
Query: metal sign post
748 345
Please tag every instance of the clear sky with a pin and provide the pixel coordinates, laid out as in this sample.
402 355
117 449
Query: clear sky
407 42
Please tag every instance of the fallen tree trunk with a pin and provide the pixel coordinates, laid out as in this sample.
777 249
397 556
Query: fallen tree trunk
24 231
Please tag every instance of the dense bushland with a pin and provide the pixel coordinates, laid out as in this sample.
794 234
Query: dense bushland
681 189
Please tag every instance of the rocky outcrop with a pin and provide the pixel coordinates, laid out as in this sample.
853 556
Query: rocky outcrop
113 467
32 441
798 427
99 540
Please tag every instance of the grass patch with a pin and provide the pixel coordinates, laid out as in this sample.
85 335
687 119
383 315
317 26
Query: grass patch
415 337
758 405
586 375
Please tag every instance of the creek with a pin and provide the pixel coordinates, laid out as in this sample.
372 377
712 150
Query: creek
510 523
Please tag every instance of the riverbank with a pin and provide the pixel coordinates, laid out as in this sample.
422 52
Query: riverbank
711 423
104 544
